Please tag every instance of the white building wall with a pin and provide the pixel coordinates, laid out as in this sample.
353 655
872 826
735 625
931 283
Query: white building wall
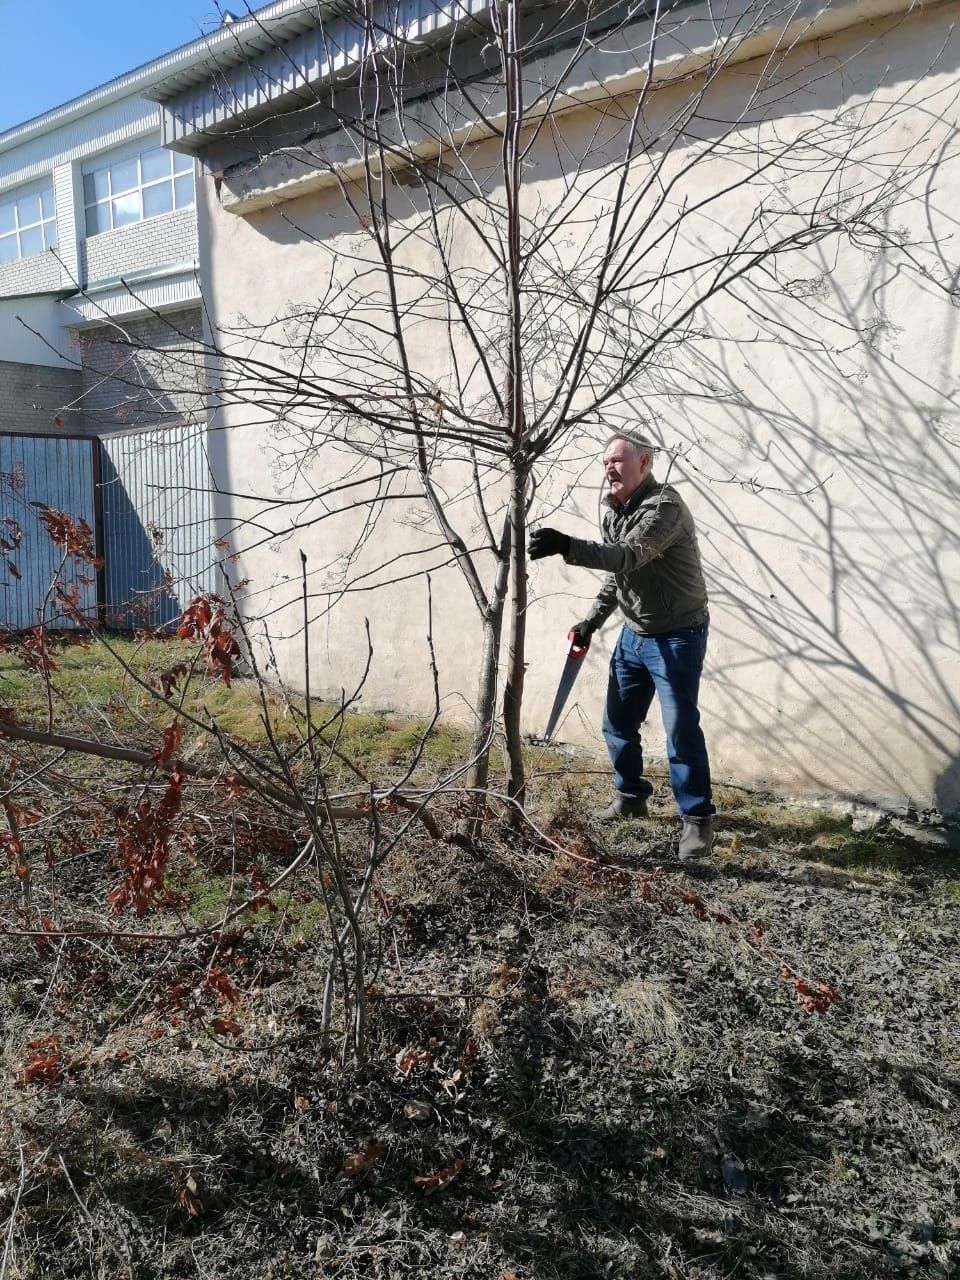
58 156
825 488
160 253
165 240
24 326
68 194
100 130
40 273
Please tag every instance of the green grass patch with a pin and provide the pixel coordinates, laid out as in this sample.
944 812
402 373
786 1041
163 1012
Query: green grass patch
241 712
371 738
118 681
108 689
210 896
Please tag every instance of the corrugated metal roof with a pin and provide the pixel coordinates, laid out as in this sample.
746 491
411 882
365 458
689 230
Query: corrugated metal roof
329 42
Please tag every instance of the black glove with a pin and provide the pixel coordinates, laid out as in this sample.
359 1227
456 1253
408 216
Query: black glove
581 633
548 542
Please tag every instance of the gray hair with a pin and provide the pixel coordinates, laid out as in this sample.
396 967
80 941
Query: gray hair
636 444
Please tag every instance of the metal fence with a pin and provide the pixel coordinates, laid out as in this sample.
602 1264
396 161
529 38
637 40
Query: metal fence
157 524
146 495
58 472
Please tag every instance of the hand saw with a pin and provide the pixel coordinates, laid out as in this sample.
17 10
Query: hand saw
568 678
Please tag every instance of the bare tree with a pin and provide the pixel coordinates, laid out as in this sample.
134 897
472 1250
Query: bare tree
174 769
538 219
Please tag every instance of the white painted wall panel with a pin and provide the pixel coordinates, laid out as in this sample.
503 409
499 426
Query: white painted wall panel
100 131
21 320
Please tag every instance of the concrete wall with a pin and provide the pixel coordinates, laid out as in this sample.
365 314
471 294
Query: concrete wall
810 414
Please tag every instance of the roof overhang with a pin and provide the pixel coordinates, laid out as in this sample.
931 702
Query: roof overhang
685 53
279 63
142 292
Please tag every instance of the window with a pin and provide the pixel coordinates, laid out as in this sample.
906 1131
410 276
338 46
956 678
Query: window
137 187
28 224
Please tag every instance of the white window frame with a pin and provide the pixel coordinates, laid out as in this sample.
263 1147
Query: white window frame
47 224
101 167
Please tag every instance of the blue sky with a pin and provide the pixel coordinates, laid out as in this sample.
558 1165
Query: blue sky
54 50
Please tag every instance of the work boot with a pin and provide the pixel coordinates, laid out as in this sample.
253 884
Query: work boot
696 838
622 807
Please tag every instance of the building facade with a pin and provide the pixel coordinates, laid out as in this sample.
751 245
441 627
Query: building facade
98 235
100 342
807 408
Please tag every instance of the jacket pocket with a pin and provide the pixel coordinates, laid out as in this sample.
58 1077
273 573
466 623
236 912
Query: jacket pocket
666 597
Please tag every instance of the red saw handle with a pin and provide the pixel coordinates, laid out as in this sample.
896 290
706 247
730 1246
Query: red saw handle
576 650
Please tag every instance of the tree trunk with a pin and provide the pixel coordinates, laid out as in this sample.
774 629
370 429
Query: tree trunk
508 23
516 665
486 705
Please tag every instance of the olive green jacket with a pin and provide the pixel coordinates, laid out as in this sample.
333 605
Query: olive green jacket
650 554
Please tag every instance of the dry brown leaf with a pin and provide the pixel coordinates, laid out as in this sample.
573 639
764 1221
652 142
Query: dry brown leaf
187 1196
226 1026
431 1182
468 1054
361 1161
486 1021
733 849
502 976
417 1110
411 1057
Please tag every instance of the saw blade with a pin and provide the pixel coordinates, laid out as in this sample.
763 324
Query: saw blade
568 678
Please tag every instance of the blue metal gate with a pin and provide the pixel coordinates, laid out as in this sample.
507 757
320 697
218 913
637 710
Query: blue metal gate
146 495
52 471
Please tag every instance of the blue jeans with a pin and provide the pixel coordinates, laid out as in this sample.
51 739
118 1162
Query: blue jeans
668 665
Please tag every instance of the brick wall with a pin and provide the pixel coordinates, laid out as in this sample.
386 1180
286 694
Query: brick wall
170 238
148 375
38 274
31 395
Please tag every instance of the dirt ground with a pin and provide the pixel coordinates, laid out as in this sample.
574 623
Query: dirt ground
563 1080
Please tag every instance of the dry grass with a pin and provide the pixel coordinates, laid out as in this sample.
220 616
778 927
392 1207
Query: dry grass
632 1093
650 1012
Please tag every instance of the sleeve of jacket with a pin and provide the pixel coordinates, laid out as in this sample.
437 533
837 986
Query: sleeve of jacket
651 536
605 602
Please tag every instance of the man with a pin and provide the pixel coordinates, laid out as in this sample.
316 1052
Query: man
650 554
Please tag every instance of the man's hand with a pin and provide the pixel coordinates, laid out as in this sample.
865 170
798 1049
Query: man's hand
548 542
581 634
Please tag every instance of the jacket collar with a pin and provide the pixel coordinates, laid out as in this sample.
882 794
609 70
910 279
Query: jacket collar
638 495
